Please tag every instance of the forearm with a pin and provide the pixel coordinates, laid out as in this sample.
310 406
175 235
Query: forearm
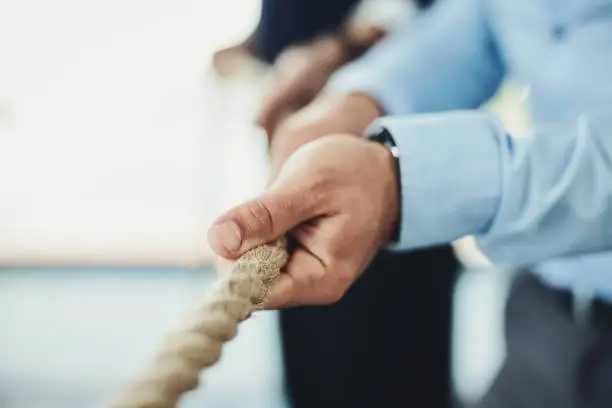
442 59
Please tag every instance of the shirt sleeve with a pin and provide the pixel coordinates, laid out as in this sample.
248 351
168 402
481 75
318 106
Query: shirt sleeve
525 200
442 59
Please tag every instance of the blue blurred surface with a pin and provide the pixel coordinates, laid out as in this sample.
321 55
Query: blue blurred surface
70 337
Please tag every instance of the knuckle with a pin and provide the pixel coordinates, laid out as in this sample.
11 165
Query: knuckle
310 281
259 217
335 248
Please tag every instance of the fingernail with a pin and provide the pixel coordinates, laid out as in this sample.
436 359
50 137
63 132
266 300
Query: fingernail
227 234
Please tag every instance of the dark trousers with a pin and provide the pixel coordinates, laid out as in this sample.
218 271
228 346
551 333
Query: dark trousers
386 344
554 359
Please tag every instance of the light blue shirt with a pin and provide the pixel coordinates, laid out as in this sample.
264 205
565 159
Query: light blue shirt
525 200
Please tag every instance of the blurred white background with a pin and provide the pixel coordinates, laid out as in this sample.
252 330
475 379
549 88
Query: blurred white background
114 138
72 338
118 146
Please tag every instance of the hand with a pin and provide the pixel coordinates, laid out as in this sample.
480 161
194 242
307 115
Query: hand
329 114
337 198
303 71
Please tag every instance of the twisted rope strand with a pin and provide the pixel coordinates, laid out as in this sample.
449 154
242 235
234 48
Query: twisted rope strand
197 345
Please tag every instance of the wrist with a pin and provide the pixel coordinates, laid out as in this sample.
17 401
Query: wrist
382 137
387 160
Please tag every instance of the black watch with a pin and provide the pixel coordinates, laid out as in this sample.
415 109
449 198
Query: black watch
382 135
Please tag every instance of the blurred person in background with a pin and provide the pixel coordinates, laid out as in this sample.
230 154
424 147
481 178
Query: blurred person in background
283 25
325 348
460 173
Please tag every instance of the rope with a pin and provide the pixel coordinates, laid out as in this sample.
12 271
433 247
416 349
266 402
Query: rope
186 352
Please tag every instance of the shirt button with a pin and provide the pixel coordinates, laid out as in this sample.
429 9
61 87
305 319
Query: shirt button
559 32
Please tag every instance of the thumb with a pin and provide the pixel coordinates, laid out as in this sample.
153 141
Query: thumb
257 222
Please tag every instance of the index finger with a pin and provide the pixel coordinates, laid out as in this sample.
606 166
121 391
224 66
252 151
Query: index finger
298 283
